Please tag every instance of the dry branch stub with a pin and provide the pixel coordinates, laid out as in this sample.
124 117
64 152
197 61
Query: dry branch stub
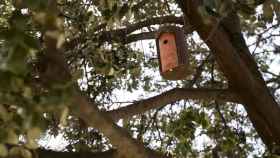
172 53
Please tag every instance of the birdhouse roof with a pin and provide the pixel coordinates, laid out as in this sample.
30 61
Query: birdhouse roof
168 29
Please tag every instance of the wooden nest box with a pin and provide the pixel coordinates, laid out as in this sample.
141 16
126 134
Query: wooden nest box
172 53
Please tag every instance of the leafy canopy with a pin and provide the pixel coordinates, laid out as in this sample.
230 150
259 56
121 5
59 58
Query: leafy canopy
104 52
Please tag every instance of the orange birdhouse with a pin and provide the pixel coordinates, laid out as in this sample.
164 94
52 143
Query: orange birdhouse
172 53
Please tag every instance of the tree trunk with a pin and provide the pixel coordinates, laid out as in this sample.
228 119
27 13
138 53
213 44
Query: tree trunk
235 63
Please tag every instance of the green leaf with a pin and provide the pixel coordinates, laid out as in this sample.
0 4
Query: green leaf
31 42
4 116
36 4
20 152
268 11
32 135
17 61
27 92
64 116
3 135
3 150
12 137
18 21
211 3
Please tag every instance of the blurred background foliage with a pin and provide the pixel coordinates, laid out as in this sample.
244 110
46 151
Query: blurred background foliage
114 72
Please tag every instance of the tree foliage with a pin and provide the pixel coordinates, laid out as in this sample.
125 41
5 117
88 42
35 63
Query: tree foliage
109 50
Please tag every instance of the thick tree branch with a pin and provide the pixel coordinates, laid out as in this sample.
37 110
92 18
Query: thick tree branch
261 107
56 71
121 34
153 21
46 153
198 72
140 36
119 137
170 96
134 8
43 153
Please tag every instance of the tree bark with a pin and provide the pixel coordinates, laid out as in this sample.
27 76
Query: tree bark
59 154
55 71
42 153
172 96
122 35
261 107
